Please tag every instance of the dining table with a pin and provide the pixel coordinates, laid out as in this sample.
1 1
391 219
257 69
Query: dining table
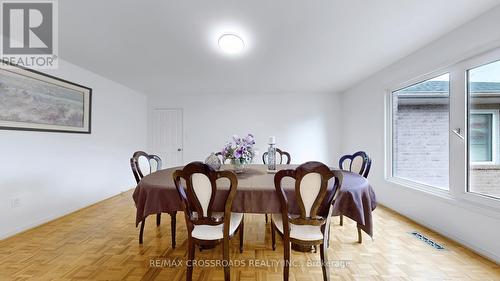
256 193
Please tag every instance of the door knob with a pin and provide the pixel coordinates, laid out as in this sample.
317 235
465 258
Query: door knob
179 149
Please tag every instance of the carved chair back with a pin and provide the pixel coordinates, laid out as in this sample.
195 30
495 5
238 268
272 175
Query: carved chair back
311 193
143 164
198 194
280 155
359 163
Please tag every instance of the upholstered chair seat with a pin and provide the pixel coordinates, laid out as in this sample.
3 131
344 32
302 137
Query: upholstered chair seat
297 231
215 232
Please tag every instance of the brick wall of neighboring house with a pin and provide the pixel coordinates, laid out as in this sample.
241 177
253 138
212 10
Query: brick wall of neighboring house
485 179
421 143
421 137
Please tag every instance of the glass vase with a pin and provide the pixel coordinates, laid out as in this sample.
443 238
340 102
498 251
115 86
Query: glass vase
238 165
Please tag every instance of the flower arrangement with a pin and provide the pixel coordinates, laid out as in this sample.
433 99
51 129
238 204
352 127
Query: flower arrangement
240 151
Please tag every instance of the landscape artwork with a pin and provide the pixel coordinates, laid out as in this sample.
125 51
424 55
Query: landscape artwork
34 101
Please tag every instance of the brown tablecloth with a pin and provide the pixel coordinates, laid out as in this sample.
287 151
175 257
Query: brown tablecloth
156 193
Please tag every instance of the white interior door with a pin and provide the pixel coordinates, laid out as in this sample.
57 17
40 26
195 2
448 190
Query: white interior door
167 136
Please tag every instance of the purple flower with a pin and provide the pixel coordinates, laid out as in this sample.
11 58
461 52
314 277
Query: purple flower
238 153
240 148
236 139
250 139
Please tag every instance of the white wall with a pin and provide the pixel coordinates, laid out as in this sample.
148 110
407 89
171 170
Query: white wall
364 104
306 125
55 173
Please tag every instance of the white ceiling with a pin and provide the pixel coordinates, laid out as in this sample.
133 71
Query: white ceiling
158 46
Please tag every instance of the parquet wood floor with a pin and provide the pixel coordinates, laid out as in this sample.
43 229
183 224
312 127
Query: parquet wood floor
100 243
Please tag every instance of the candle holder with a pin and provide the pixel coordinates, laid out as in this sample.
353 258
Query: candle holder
271 155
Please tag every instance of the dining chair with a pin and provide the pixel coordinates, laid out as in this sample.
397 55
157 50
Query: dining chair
279 159
312 225
205 226
359 163
143 164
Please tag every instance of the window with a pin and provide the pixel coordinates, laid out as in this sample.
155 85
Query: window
443 132
483 136
420 132
483 106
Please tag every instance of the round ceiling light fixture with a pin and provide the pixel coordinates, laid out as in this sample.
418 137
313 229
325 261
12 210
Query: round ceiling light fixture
231 44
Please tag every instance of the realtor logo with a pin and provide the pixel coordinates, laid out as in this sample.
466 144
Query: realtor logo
29 33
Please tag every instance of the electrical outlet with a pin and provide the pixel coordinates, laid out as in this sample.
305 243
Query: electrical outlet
15 203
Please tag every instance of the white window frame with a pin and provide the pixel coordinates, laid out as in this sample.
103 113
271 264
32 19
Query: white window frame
389 170
464 194
494 136
458 179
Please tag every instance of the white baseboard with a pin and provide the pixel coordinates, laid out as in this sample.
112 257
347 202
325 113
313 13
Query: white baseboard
478 250
55 216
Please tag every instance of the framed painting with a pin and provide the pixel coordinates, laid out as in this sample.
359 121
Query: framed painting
34 101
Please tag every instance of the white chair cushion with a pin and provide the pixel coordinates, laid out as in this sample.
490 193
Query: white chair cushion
310 186
357 164
299 232
203 189
215 232
144 165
